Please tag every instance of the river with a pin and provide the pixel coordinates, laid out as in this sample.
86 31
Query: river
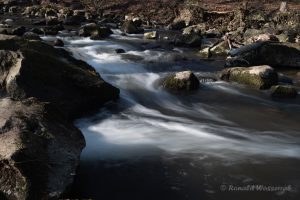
224 141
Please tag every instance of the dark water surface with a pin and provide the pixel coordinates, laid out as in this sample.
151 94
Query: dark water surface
154 145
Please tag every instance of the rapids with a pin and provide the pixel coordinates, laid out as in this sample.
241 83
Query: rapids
151 144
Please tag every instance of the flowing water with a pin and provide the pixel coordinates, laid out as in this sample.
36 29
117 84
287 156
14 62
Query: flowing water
151 144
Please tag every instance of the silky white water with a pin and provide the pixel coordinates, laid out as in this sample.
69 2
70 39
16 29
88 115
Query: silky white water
151 144
147 117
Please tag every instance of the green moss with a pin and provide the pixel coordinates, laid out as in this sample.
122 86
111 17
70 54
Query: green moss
241 76
284 91
174 84
253 80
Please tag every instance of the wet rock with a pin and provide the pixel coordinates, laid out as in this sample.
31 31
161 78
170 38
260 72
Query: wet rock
58 43
131 28
182 81
120 51
31 36
266 53
19 31
151 35
260 77
94 31
284 91
37 70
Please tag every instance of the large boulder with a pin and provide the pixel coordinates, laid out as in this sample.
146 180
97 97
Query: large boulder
39 150
182 81
131 28
260 77
31 68
265 53
45 89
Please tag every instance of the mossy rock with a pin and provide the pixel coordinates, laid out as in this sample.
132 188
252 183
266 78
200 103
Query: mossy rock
284 91
182 81
260 77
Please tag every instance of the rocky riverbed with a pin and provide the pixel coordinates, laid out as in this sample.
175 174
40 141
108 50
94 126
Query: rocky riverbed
54 54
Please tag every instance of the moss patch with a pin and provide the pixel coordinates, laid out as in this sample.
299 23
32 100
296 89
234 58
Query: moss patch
284 91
